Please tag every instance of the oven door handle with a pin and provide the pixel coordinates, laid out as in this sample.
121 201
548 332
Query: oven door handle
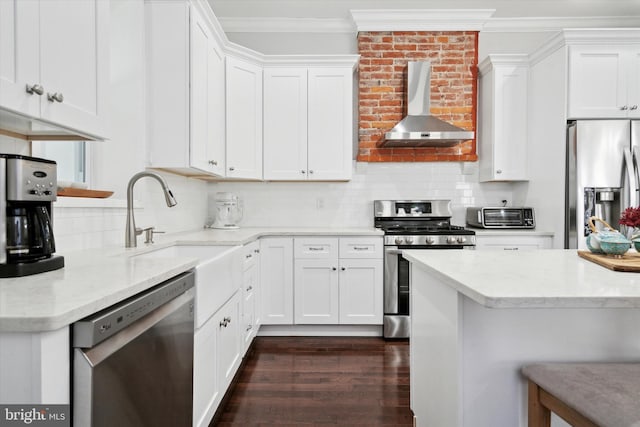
392 251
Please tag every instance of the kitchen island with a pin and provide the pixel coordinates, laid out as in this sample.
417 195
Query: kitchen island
479 316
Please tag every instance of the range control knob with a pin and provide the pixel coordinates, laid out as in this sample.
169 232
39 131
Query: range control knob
451 239
462 239
409 240
399 240
430 240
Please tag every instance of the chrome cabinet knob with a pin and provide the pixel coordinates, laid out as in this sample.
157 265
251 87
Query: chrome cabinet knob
634 107
35 89
231 168
303 172
343 268
499 171
310 170
249 288
257 251
213 163
624 107
55 97
333 268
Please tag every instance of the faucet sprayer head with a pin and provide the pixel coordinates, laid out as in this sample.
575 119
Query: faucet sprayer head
168 196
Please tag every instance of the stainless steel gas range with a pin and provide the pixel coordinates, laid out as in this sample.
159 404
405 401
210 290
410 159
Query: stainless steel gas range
412 224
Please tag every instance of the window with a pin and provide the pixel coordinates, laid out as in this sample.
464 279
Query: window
71 157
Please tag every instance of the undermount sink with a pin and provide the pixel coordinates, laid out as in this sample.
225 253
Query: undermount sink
203 253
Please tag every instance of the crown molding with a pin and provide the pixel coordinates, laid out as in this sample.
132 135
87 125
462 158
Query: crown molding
315 60
512 59
531 24
348 25
287 25
421 19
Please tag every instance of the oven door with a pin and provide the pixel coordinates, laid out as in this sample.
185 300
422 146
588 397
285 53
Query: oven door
396 282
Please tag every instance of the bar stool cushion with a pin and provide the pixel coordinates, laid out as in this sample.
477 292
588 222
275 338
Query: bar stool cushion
606 393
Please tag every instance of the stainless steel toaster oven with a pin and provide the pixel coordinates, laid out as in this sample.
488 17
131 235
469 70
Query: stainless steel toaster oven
501 217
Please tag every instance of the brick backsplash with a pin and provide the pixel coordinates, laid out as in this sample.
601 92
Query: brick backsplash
382 76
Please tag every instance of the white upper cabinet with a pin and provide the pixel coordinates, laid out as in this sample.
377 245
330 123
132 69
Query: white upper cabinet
244 119
55 64
604 81
330 128
185 91
308 123
502 142
285 124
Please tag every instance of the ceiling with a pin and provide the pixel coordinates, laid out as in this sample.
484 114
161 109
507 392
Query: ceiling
339 9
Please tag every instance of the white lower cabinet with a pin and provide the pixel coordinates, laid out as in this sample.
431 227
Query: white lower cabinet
251 317
514 242
338 280
227 323
316 291
217 355
276 280
206 391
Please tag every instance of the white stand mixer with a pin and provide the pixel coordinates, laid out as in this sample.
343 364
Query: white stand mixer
228 211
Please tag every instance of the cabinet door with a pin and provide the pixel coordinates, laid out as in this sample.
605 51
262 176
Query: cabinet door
244 119
206 394
502 141
316 293
207 136
74 63
597 87
276 280
227 322
633 92
285 123
19 53
330 126
361 291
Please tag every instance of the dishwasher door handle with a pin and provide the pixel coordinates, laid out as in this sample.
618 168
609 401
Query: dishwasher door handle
102 351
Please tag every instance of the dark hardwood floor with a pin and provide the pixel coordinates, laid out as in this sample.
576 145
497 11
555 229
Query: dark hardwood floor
320 381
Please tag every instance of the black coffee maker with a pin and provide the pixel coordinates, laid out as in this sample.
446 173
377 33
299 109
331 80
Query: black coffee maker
28 186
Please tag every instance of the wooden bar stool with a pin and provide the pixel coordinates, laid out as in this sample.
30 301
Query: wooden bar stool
584 394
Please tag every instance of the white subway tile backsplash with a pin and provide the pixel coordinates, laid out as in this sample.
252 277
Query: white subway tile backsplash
350 204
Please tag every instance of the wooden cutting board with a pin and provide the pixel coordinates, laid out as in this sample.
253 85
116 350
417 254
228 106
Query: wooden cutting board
81 192
630 262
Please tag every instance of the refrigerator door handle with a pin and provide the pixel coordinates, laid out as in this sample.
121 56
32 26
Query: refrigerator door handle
636 174
631 176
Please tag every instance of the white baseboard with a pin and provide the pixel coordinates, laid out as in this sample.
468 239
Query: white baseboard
321 330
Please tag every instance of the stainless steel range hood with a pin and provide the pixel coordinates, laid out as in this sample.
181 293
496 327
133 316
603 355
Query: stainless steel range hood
419 128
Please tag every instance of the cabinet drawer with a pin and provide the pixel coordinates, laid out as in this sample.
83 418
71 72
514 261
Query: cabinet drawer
250 253
315 248
361 247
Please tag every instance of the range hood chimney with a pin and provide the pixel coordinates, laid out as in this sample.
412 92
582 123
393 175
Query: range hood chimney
419 128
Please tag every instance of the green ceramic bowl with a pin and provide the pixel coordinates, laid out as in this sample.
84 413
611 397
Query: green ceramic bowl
617 248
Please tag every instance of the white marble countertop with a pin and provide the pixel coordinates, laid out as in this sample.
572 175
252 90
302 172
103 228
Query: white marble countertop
531 279
96 279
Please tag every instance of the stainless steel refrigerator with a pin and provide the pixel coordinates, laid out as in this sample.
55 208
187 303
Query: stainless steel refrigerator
602 174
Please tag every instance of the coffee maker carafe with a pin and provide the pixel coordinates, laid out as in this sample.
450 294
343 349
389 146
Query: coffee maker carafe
28 186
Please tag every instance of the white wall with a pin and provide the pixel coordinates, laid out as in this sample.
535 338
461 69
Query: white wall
350 204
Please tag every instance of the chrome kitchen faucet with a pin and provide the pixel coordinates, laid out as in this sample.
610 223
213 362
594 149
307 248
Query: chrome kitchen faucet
131 231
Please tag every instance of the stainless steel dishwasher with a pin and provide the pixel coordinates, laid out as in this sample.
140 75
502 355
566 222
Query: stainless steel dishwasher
133 362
